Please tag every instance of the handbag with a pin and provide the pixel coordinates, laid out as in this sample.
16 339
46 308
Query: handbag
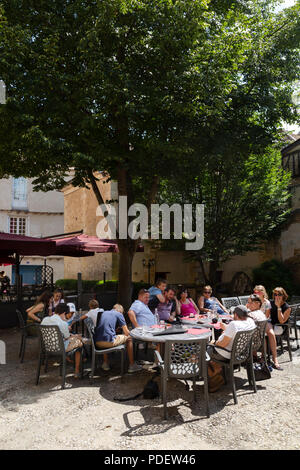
75 342
261 372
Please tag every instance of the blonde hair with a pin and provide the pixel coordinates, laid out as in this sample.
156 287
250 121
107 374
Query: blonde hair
93 304
207 288
119 308
263 290
280 290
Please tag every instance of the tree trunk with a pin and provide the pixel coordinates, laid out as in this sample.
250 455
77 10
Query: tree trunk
213 266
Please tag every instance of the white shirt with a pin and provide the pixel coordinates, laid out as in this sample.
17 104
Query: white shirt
257 315
93 314
56 320
231 331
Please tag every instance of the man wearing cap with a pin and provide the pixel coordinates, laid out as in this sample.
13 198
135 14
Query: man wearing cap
241 322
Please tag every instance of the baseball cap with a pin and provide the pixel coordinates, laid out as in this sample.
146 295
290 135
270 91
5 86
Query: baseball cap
71 307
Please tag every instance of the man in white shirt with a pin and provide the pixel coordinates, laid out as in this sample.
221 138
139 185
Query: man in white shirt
59 319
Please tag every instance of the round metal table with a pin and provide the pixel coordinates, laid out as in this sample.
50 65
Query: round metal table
137 334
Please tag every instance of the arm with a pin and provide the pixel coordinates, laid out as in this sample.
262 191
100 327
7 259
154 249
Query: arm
224 342
197 309
36 309
161 298
201 305
132 318
268 313
125 330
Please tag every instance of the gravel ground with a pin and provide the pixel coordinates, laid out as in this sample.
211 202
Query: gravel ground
85 416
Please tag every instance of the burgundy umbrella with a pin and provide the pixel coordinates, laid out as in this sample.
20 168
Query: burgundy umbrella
25 246
85 245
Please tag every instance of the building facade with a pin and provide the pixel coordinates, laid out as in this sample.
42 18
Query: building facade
35 214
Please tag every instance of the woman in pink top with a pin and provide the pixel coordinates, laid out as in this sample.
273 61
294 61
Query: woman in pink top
186 305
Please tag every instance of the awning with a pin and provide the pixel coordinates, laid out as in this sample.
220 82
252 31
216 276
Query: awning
25 246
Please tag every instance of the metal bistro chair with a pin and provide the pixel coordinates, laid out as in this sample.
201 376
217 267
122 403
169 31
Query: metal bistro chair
184 359
52 345
259 343
294 322
243 299
99 352
241 353
284 336
230 302
24 334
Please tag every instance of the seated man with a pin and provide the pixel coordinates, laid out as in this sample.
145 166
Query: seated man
93 312
106 336
157 294
253 306
59 319
167 310
139 312
241 322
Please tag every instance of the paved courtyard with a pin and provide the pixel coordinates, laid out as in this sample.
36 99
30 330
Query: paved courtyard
85 416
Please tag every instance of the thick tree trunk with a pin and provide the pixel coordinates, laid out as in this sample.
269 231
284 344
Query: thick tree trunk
127 250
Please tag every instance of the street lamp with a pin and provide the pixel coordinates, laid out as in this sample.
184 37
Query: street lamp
151 262
2 92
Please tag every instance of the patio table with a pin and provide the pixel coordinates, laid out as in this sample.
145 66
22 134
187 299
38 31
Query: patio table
147 336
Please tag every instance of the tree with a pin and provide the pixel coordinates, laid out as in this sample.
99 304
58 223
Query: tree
246 201
137 88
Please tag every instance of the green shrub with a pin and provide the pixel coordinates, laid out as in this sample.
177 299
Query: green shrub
273 274
98 286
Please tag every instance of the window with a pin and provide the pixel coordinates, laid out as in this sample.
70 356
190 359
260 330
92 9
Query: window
19 197
17 225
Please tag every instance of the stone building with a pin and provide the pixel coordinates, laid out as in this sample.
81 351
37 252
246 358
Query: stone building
36 214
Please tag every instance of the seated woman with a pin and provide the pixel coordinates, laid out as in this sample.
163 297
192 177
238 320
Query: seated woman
58 297
279 313
262 294
37 312
186 305
207 302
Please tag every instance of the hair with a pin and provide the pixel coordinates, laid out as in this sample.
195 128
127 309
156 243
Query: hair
181 290
207 288
119 308
170 288
281 291
62 308
58 290
160 281
2 272
255 298
262 289
241 311
44 298
143 291
93 304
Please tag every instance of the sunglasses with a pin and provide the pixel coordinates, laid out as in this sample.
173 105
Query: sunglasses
206 292
278 295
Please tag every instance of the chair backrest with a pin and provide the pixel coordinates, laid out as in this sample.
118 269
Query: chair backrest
259 334
20 319
230 302
185 358
243 299
242 346
51 339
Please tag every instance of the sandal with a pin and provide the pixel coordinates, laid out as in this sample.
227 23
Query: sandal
277 366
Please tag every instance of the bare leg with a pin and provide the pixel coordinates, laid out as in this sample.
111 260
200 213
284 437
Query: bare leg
77 362
129 346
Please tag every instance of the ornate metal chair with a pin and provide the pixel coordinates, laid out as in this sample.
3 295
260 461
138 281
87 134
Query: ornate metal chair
243 299
230 302
294 320
241 353
284 336
52 345
184 359
24 334
99 352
